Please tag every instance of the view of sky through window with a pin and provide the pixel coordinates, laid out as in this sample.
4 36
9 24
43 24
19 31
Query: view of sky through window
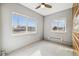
22 21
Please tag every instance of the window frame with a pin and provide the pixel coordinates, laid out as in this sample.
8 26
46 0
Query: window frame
25 32
60 31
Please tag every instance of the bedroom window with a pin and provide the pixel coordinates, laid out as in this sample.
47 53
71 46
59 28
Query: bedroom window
59 25
32 26
18 23
23 24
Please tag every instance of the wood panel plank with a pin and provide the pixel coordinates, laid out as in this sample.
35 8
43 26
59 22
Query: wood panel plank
75 35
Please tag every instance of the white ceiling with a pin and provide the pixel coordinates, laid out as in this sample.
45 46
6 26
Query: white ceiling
56 7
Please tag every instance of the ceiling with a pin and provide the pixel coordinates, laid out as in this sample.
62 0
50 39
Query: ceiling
56 7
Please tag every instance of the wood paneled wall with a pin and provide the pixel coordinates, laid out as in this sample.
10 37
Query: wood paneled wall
75 35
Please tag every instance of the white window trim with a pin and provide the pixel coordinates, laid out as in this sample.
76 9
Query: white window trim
25 32
58 31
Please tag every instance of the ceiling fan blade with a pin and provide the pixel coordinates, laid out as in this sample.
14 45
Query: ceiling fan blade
48 6
43 3
38 7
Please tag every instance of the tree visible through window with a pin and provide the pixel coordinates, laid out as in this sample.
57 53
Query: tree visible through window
59 25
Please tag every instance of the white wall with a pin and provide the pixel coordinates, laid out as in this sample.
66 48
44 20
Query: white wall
0 28
9 42
66 37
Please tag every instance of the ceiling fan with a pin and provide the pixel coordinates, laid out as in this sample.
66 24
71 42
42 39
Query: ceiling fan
42 5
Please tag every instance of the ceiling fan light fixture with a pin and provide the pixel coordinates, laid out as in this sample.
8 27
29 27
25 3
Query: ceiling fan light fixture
42 6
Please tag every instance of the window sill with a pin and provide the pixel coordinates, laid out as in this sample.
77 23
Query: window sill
59 31
23 33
